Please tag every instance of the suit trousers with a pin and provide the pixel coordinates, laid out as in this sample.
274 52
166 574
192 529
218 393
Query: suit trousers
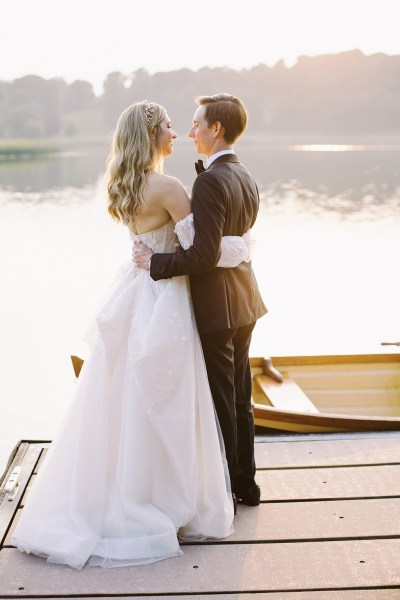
226 355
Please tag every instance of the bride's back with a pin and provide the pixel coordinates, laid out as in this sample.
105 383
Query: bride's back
164 198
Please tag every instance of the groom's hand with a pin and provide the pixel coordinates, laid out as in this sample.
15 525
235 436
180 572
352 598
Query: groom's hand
141 255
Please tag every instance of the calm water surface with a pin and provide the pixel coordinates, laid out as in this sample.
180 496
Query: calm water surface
327 261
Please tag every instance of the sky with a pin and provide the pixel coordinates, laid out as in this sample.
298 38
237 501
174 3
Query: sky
87 39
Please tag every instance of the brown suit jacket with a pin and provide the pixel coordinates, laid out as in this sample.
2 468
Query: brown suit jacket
225 201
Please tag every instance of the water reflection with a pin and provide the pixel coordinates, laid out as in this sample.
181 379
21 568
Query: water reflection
344 182
363 204
71 170
328 173
56 196
366 183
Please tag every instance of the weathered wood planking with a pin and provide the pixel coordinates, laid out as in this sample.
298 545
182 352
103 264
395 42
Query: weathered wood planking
216 568
28 488
274 545
308 521
296 453
7 540
386 594
325 483
317 520
377 450
42 457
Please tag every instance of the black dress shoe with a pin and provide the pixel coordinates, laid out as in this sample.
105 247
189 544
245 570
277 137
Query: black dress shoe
250 495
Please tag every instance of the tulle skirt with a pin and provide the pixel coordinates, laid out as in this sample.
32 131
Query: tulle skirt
138 462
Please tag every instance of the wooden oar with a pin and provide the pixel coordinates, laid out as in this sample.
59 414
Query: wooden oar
272 371
77 364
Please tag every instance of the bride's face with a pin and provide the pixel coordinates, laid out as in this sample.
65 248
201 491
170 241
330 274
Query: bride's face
166 137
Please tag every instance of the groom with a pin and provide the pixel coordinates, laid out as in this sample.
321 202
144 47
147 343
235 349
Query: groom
226 302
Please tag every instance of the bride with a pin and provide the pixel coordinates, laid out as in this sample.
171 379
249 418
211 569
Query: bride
138 463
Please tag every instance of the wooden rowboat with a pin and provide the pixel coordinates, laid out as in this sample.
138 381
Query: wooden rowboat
323 393
327 393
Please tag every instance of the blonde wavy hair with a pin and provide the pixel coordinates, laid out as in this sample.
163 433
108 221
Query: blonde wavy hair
134 153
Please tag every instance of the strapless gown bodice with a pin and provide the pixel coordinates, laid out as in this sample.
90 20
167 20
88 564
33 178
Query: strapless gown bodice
160 240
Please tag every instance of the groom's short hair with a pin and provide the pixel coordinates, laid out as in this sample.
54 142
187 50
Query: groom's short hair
229 111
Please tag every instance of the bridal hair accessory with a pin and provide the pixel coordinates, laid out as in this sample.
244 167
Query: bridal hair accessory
149 112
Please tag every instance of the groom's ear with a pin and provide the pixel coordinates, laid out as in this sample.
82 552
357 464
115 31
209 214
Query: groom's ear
218 130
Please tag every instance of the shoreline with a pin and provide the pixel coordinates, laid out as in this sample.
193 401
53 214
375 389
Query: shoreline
32 148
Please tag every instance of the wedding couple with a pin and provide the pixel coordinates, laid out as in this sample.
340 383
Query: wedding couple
143 459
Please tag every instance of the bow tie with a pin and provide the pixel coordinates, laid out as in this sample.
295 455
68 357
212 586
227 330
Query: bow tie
199 167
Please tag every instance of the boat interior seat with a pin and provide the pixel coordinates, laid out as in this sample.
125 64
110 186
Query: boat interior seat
286 395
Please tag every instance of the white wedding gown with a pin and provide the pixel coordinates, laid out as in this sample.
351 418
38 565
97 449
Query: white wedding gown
138 461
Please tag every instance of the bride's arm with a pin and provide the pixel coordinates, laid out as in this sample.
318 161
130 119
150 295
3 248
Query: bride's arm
234 249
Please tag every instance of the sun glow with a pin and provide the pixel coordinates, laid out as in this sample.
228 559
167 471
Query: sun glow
327 148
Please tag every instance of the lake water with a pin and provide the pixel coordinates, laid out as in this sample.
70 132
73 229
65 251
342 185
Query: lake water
327 262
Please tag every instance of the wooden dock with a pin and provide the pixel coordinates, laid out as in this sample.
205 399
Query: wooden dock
328 528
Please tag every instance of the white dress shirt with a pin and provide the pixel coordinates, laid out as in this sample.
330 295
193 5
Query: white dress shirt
211 158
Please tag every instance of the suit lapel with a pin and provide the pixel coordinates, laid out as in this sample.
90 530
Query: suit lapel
232 158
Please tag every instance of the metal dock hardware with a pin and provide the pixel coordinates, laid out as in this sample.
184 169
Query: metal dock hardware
12 484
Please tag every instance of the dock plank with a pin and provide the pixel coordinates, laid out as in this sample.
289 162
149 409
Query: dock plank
308 521
376 594
276 454
28 488
215 569
354 538
325 483
317 520
45 449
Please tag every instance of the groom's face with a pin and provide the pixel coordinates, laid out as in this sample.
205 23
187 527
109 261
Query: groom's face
202 135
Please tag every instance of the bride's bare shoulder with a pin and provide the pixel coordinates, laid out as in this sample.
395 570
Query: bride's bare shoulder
161 184
169 194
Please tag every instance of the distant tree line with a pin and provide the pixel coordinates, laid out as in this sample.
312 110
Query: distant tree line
345 94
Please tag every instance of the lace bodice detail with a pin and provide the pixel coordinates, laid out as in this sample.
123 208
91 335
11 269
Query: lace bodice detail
160 240
234 249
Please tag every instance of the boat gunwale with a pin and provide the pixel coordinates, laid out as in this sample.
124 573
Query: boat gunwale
310 417
327 359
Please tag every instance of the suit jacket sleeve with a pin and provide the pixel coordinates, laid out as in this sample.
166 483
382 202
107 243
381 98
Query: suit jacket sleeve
209 210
